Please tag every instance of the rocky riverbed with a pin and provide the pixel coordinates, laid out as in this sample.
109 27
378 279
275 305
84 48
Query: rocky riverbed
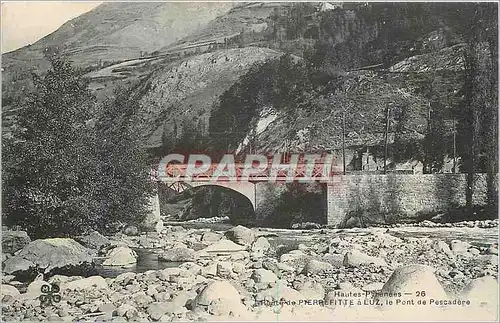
260 274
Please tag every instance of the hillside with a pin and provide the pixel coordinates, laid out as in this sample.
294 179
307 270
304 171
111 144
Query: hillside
110 33
185 92
198 64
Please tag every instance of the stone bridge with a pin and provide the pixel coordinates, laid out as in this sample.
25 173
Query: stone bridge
404 196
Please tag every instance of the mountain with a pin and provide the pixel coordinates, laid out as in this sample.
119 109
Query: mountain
191 63
108 34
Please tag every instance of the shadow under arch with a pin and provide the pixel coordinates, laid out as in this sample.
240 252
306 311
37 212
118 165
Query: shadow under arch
208 200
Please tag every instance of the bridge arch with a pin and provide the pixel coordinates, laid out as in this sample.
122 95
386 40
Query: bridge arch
242 197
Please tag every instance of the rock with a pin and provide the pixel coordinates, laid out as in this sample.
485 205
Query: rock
315 267
107 308
125 278
10 291
177 255
210 237
263 276
95 240
131 230
127 311
224 246
441 246
120 256
270 264
481 291
493 250
241 235
17 265
7 278
89 283
159 226
489 259
312 290
238 268
413 278
261 245
240 255
224 269
191 267
157 309
355 258
220 298
210 270
285 268
13 241
334 259
142 300
218 290
56 253
459 247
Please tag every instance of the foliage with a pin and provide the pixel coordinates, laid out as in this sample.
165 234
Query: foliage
64 171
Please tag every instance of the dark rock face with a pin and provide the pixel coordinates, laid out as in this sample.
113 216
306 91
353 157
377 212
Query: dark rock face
13 241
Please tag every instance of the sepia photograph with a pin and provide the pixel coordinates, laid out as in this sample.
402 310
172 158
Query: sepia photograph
168 161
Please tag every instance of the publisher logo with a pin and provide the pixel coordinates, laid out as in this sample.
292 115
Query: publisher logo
50 294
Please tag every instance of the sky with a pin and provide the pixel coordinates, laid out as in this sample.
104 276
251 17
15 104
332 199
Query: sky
25 22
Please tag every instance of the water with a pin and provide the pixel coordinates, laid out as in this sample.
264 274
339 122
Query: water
147 260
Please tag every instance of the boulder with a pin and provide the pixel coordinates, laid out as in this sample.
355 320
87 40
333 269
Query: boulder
459 247
241 235
217 291
95 240
131 230
264 276
413 278
224 246
125 278
18 265
334 259
210 237
157 309
315 267
13 241
177 254
9 290
482 291
54 253
261 245
441 246
355 258
220 298
127 311
120 256
224 269
89 283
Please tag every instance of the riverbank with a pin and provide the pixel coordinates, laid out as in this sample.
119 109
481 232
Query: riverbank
269 274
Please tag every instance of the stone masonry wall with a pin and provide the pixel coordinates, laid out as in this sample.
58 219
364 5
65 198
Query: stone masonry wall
380 197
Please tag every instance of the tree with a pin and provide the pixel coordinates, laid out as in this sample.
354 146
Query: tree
479 115
72 164
123 183
50 160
